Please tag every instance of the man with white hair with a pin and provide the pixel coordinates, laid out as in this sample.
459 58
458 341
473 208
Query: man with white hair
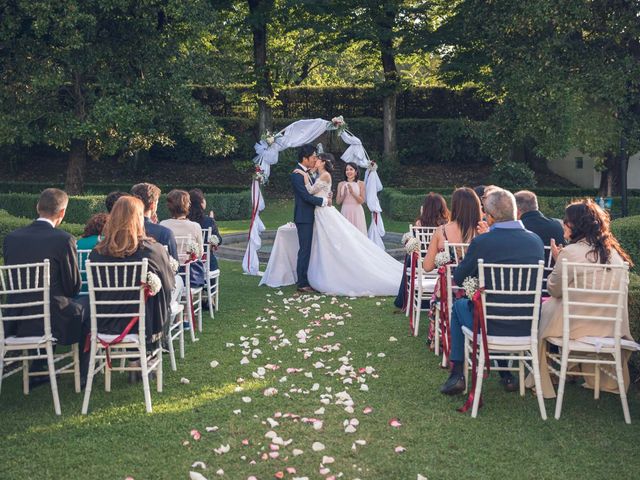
506 242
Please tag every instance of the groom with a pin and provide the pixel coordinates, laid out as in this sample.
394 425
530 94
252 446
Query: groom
303 213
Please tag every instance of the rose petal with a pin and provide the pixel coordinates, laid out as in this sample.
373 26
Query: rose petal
367 410
400 449
214 363
296 452
317 447
184 381
195 434
328 460
394 422
196 476
198 465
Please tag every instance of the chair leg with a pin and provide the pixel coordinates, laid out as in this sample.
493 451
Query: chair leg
90 373
200 312
25 374
535 364
107 378
561 382
1 367
521 375
181 337
52 378
465 367
159 372
621 387
172 352
596 386
75 349
416 316
210 297
479 378
145 379
218 293
436 332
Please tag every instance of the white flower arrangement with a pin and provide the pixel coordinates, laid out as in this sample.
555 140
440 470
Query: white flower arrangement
442 258
154 283
260 176
471 286
270 138
194 248
406 237
337 123
373 166
214 241
173 263
412 245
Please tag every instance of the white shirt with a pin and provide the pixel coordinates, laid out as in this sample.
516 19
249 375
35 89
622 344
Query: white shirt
42 219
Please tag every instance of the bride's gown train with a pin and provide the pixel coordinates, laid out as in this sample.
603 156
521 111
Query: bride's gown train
345 262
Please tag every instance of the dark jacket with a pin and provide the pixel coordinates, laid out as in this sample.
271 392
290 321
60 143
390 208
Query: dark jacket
545 228
32 244
304 202
208 222
157 308
504 246
162 235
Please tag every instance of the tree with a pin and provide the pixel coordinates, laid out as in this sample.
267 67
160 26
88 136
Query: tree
564 74
102 77
260 12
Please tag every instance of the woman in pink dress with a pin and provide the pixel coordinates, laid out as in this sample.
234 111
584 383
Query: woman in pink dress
351 196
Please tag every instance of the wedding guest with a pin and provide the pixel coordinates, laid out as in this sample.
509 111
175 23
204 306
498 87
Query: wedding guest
465 215
112 198
197 215
88 240
150 195
534 221
124 240
178 203
587 231
34 243
351 195
433 213
507 242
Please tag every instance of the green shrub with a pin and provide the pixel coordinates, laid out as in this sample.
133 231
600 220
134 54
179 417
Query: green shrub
512 175
105 188
227 206
627 231
634 322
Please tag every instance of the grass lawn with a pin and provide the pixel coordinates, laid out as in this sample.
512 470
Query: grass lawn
118 439
279 211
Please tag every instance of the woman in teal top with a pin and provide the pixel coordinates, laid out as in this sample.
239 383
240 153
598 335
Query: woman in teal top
89 239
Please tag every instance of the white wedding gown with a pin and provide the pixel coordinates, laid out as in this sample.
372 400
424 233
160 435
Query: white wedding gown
343 260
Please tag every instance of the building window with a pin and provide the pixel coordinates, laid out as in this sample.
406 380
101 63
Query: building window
579 162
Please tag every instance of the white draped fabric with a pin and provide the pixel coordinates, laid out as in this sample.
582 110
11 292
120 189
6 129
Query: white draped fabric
373 185
295 135
250 262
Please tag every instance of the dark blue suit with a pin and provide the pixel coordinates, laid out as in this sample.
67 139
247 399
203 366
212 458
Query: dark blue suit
500 245
162 235
303 217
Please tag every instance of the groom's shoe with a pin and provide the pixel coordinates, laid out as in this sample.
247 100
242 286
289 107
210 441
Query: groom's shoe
306 290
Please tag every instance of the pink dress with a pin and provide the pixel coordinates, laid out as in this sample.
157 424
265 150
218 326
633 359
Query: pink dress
351 209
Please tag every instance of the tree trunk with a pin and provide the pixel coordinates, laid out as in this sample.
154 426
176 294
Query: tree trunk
389 129
610 179
259 11
392 82
74 184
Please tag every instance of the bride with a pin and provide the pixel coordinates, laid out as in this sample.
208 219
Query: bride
343 261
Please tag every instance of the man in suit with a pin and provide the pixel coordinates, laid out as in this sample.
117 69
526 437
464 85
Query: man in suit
506 242
150 195
112 198
534 221
303 213
39 241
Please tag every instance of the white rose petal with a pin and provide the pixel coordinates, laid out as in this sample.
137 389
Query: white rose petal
196 476
246 399
296 452
317 447
214 363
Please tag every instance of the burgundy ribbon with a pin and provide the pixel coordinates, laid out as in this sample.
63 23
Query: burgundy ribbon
444 311
123 334
478 328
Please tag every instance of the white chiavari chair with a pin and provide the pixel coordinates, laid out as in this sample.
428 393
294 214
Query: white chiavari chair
25 296
592 293
503 289
422 281
83 255
120 284
549 263
192 296
212 277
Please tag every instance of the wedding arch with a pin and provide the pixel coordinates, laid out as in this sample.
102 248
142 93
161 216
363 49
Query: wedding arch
295 135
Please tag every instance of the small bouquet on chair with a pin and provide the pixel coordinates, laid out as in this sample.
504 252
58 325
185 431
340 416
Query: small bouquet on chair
442 258
174 264
470 286
154 284
412 246
214 241
193 250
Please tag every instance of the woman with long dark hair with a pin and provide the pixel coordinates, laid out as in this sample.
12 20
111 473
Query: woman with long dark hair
434 211
589 240
351 195
197 214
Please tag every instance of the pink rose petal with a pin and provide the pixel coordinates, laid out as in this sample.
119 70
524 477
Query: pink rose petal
394 422
195 434
367 410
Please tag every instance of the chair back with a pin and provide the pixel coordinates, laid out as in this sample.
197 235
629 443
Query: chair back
25 294
206 246
549 263
511 292
83 255
116 291
457 251
424 235
181 242
593 292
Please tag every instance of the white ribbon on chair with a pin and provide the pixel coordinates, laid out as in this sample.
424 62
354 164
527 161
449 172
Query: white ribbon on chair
250 262
373 185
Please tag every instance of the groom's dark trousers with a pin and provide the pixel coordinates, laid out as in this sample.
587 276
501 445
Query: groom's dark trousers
303 217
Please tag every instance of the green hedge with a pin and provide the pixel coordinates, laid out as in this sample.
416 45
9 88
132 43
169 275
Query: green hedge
540 191
9 223
627 231
403 207
227 206
634 322
105 188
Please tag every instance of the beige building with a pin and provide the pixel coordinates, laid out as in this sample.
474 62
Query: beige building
578 168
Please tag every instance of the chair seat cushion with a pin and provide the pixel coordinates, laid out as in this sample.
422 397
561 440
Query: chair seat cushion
499 340
131 338
13 340
594 344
